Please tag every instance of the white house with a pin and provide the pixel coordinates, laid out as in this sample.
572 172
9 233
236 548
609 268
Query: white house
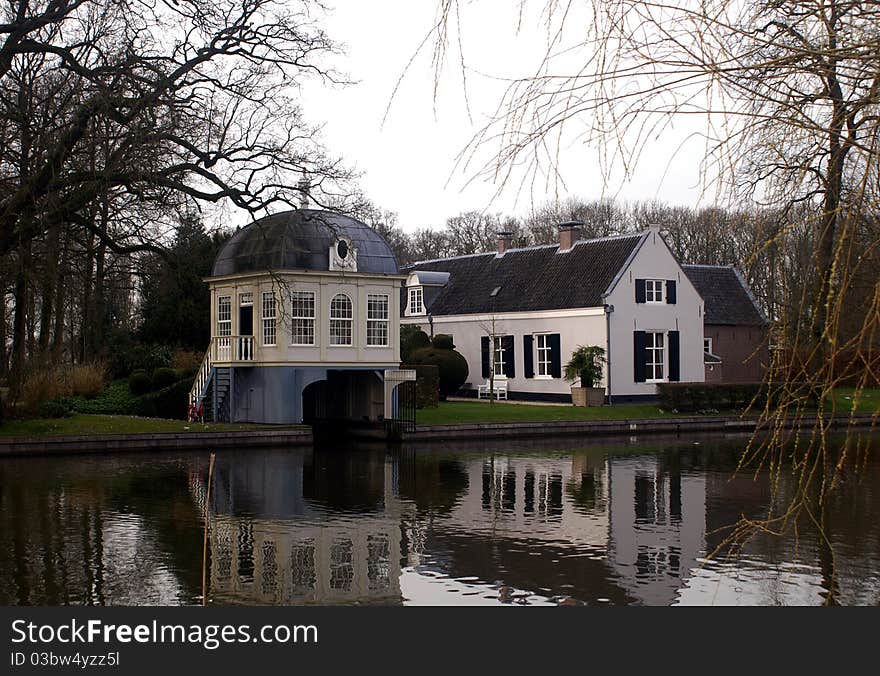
522 312
304 323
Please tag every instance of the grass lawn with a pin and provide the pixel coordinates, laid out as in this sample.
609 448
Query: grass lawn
112 424
452 412
869 401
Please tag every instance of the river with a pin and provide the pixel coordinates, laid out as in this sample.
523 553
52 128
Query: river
562 522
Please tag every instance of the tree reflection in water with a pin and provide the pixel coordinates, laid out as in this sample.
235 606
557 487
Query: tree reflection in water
625 523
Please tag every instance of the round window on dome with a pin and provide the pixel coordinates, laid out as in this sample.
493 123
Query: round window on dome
342 249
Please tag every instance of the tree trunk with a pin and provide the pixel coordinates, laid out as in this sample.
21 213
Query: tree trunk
58 334
19 322
50 282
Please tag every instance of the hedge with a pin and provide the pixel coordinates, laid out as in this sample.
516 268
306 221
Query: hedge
453 367
427 385
169 402
691 397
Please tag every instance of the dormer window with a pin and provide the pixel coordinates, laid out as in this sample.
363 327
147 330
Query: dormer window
343 255
416 301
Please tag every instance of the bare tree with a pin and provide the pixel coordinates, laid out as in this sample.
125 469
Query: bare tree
789 95
119 116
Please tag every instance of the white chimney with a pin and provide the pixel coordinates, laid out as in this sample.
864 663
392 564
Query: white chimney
303 186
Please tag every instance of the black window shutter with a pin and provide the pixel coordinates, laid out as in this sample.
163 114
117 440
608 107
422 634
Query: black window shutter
674 357
670 291
639 356
509 357
640 291
484 345
555 356
528 358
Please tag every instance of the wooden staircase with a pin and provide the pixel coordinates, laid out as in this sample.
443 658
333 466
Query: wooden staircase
211 391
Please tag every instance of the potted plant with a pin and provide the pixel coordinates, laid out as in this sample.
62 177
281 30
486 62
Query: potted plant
585 366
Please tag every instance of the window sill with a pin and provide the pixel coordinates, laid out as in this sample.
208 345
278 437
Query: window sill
544 378
654 382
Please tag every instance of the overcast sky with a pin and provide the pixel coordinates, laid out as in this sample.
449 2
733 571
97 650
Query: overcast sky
408 163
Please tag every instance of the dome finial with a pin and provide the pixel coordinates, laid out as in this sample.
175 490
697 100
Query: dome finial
303 187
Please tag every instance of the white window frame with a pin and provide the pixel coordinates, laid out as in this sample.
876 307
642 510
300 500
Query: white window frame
498 356
224 326
339 320
543 367
245 298
302 322
378 308
707 346
655 291
651 350
416 300
269 318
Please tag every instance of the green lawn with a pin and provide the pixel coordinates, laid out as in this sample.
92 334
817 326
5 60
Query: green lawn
868 402
451 412
111 424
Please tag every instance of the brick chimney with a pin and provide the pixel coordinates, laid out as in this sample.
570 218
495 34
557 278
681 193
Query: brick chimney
505 239
569 232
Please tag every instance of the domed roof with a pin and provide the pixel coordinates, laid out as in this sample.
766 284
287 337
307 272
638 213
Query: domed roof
301 240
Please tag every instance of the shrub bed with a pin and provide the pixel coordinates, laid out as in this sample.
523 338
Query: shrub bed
427 385
696 397
169 402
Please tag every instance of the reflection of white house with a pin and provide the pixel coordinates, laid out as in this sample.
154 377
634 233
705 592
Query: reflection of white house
522 312
302 303
658 527
512 497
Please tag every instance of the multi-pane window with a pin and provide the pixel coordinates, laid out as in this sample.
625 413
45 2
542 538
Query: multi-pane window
654 356
498 355
416 301
653 290
707 345
246 298
341 316
377 320
542 354
302 318
269 323
224 316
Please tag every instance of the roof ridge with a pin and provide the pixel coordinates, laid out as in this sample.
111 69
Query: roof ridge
534 247
729 266
448 258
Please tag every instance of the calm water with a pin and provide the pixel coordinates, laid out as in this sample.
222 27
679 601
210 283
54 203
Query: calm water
626 523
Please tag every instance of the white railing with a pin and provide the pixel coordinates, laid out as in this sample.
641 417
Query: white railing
234 348
245 348
195 394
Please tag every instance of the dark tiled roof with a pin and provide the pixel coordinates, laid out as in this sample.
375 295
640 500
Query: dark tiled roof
536 278
728 300
301 240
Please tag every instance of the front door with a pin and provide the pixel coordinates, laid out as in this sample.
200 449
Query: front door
246 320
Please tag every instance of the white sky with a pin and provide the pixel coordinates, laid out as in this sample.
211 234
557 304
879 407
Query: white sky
408 163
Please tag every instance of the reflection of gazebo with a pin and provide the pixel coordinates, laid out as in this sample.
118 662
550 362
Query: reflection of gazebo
256 561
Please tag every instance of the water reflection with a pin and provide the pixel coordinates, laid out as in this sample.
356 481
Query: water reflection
620 524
